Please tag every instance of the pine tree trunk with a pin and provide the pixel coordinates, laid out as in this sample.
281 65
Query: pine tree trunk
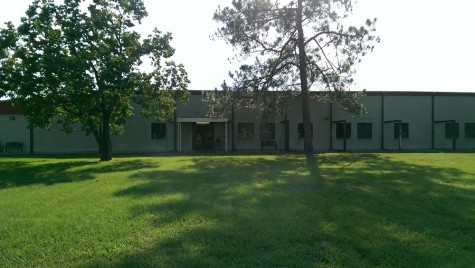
308 145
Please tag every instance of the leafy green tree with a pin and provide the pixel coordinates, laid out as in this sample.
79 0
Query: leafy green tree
81 64
7 41
294 46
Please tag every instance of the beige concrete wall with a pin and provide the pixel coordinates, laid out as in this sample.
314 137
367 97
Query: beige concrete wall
195 108
373 106
186 136
246 116
137 136
55 140
250 116
319 117
14 128
412 108
220 136
459 108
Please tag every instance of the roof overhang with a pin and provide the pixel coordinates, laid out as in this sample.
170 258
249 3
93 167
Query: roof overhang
202 120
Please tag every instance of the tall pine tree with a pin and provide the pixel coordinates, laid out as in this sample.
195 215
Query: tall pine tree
296 46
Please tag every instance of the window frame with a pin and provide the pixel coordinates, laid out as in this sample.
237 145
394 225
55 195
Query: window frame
472 131
339 125
248 128
158 131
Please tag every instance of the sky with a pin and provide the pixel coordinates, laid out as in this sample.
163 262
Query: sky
426 45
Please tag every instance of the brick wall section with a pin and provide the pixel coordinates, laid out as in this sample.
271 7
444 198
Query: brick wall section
7 108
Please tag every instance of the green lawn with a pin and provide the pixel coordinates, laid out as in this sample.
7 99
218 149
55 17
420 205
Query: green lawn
336 210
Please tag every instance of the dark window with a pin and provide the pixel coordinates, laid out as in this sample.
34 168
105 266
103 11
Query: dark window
449 130
364 130
159 130
301 132
340 131
405 130
246 131
469 130
267 131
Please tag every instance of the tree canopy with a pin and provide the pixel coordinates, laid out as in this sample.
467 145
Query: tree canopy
292 46
81 64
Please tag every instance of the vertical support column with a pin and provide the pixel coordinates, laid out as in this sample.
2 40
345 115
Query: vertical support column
179 136
331 125
286 132
454 135
31 139
226 137
400 135
232 129
175 133
175 125
344 135
433 120
382 121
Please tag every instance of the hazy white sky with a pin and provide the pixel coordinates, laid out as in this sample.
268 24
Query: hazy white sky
426 45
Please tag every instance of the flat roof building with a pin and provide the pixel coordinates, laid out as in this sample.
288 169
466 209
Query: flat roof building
395 121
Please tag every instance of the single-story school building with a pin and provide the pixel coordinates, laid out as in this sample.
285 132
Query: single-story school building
395 121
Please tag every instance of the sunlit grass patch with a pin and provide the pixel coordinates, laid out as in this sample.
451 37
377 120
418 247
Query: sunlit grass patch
336 209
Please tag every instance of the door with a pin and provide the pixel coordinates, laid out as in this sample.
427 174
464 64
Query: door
203 136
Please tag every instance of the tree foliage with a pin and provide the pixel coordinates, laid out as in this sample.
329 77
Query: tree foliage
292 46
81 64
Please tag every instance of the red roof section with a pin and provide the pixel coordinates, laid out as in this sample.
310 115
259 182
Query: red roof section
7 108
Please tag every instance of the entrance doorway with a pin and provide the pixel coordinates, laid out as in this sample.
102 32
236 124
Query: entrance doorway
202 134
203 137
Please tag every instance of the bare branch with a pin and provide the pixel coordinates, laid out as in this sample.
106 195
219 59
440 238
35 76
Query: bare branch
325 55
328 33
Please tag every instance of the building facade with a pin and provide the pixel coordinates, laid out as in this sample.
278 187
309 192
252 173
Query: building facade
395 121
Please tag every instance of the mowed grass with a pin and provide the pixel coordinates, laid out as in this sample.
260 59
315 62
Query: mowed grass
329 210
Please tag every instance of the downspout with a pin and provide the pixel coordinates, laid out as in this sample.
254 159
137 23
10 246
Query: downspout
31 139
345 135
400 135
287 132
175 133
232 129
382 121
175 126
433 120
331 125
454 135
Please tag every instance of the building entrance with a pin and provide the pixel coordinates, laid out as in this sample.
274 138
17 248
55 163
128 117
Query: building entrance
203 136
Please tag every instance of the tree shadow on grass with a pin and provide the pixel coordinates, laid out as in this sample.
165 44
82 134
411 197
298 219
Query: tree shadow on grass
330 210
49 171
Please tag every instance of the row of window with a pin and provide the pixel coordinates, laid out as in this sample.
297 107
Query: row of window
450 129
363 130
246 131
266 131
